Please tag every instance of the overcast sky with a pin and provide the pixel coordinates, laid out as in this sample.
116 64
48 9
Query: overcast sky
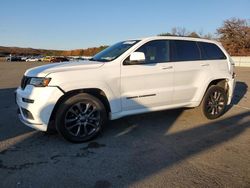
72 24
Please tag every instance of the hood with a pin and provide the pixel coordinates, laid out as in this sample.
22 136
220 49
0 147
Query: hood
44 70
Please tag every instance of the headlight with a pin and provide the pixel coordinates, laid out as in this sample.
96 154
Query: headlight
39 82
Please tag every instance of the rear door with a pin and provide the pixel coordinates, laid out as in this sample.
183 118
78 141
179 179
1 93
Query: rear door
213 55
190 71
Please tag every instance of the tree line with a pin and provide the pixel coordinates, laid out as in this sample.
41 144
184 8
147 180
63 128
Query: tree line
83 52
5 51
234 34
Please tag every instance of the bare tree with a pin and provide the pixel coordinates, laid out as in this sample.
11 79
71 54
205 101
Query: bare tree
194 34
208 36
180 31
166 34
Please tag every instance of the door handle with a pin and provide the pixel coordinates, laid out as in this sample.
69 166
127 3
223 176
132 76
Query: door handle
205 65
168 67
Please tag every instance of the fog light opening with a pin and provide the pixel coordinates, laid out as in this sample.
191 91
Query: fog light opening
27 114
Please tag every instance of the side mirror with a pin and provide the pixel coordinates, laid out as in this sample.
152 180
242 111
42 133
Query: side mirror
137 57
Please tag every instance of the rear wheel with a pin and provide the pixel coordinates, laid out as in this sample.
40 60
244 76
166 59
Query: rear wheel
214 102
81 118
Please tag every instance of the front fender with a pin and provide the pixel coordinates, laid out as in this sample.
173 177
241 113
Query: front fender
114 101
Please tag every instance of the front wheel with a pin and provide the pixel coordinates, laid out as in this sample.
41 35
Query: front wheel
81 118
214 102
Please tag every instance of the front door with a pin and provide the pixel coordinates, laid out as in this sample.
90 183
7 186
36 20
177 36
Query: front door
148 84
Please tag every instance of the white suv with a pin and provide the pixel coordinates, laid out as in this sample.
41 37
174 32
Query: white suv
130 77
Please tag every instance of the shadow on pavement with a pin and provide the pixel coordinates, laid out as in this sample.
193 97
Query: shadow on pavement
131 148
239 92
10 126
144 150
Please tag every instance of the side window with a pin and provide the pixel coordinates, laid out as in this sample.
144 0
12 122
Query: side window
155 51
182 50
211 51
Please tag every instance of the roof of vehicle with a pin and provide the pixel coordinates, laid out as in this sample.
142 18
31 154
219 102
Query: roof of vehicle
179 38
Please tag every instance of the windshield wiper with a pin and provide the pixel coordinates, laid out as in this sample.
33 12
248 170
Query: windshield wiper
99 60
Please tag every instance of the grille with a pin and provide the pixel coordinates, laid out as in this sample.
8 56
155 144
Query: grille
24 82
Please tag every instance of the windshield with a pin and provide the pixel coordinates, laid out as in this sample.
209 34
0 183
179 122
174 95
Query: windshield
114 51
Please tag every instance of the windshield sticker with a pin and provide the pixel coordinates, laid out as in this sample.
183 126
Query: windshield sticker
108 58
129 42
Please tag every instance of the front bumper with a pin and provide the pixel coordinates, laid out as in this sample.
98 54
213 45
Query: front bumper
35 105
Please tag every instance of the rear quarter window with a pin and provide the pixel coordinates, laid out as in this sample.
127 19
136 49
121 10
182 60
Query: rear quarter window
210 51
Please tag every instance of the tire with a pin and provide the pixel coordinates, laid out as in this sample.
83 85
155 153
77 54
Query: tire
80 118
51 130
214 102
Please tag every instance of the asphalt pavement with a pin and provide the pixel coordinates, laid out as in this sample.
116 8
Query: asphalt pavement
173 148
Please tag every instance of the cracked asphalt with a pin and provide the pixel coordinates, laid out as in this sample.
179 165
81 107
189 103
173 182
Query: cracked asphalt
173 148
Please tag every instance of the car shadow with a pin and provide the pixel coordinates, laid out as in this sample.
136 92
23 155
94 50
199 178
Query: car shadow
141 146
239 92
13 128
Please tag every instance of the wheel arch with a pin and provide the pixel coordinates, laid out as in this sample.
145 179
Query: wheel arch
222 82
98 93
